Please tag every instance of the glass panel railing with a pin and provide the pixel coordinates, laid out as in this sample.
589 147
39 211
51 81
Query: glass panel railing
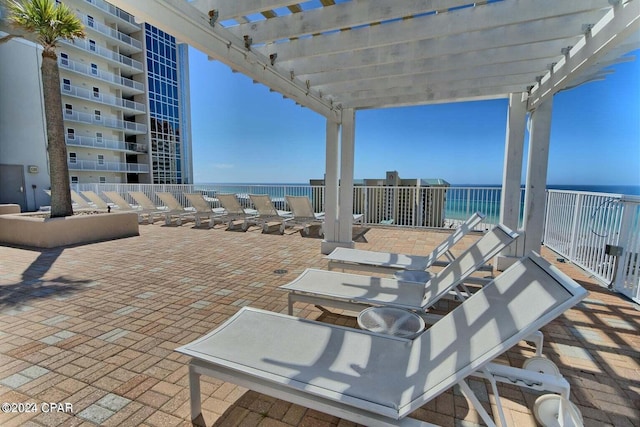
111 9
106 53
102 98
110 32
79 67
107 144
93 165
109 122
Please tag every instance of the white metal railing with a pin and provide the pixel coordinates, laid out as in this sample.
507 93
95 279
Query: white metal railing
599 232
106 76
102 98
110 32
111 9
105 53
93 165
76 116
107 144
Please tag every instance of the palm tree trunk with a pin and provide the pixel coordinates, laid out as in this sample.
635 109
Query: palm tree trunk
56 145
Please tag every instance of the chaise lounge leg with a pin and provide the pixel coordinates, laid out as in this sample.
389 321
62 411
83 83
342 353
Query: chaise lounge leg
194 393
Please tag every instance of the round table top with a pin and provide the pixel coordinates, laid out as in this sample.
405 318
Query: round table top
391 321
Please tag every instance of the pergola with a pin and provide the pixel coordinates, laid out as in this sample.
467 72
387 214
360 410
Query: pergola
337 57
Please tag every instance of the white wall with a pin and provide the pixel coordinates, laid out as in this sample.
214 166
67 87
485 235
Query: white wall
22 125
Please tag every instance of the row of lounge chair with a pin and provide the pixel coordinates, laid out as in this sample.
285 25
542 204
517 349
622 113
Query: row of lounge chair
378 379
263 214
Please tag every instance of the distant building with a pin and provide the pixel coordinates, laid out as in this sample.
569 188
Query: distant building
403 201
125 96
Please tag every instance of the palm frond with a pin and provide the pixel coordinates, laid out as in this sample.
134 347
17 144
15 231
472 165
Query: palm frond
46 19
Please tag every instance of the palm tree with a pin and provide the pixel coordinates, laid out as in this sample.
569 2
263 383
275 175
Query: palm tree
49 22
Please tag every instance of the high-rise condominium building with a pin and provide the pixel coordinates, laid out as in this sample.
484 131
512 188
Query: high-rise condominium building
125 96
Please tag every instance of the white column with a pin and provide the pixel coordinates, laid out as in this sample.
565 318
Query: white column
538 161
330 228
345 213
512 175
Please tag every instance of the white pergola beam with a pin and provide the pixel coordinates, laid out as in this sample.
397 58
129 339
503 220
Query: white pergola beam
510 36
234 9
339 16
493 15
523 70
620 22
190 26
447 63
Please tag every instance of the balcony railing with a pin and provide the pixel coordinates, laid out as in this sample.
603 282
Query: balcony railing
107 144
109 122
93 165
113 11
106 53
84 93
110 32
81 68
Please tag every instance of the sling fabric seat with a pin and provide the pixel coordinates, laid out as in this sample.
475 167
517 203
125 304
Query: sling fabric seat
351 291
233 212
174 209
383 262
202 209
147 206
303 213
268 215
375 379
96 200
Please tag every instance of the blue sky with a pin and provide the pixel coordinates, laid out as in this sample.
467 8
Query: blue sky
241 132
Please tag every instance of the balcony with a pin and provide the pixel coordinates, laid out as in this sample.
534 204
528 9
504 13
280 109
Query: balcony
106 144
94 165
128 86
120 60
114 11
127 43
130 128
83 93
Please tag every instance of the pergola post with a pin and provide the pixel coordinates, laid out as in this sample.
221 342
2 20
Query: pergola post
331 187
511 176
345 213
538 161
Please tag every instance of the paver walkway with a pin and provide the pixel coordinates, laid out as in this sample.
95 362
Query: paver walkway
94 327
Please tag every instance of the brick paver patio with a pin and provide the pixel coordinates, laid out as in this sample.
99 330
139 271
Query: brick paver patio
95 326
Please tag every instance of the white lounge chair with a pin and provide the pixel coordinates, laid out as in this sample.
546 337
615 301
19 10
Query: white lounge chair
384 262
202 209
174 209
234 213
79 203
355 291
147 206
97 201
268 215
378 380
303 213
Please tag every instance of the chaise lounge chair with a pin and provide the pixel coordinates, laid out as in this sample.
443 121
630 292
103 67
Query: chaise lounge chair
147 206
123 205
379 380
174 209
234 213
96 200
304 215
202 209
354 291
268 215
384 262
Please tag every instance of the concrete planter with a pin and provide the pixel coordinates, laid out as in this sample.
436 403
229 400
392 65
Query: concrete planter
27 230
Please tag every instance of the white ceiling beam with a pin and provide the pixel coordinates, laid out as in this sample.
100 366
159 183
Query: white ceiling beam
620 22
391 90
339 16
548 50
512 35
191 26
232 9
432 98
492 15
536 67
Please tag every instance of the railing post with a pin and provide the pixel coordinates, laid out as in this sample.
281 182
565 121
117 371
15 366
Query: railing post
577 218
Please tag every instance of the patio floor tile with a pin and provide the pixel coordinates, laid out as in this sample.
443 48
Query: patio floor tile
96 326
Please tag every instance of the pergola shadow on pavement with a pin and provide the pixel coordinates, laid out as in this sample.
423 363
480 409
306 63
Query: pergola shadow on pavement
107 347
